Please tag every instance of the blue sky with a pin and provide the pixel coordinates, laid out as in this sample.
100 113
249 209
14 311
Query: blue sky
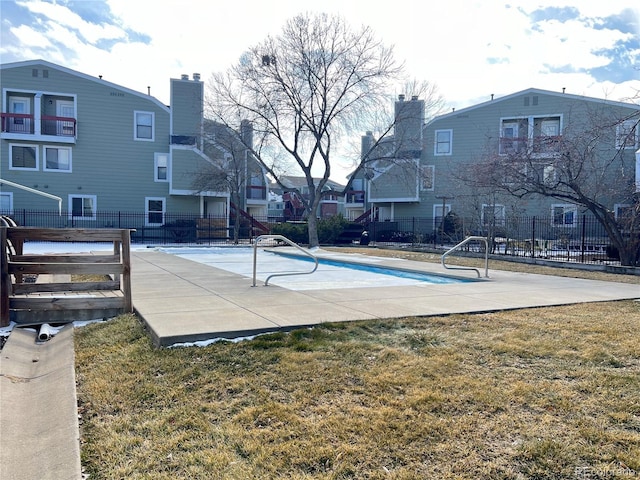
470 49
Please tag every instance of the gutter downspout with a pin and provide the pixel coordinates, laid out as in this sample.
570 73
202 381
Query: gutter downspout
37 192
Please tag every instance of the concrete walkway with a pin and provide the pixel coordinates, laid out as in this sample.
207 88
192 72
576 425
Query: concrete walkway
181 300
39 431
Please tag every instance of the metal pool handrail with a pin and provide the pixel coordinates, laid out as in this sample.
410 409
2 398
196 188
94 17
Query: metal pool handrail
286 240
486 256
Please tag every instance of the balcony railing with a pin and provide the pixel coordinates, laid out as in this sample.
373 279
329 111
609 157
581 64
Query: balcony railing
513 145
184 140
23 123
355 196
546 144
17 123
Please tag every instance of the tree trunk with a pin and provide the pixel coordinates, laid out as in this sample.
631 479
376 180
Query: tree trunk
629 254
236 224
312 224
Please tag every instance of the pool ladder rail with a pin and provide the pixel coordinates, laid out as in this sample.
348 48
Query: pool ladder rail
464 242
289 242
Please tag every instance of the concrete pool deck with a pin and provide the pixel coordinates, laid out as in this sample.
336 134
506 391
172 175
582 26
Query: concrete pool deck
181 300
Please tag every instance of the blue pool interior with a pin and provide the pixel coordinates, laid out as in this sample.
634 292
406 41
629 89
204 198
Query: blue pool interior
331 273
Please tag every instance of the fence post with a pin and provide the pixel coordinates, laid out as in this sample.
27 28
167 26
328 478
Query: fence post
413 231
125 245
582 246
533 237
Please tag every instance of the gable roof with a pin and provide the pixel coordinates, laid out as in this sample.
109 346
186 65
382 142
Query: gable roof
84 76
538 91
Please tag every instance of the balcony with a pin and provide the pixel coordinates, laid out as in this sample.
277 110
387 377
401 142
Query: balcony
545 144
22 126
355 197
513 145
190 140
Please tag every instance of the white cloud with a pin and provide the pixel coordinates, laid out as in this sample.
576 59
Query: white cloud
469 48
31 37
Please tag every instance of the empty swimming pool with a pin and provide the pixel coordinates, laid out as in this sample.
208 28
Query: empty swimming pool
331 273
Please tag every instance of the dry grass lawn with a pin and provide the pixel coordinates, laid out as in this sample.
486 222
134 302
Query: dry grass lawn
527 394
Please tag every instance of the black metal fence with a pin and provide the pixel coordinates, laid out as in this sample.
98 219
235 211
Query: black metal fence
152 227
584 240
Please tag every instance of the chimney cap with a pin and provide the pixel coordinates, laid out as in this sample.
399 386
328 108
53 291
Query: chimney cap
401 97
184 76
196 77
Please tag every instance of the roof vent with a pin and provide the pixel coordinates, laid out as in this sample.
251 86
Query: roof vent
184 76
401 97
414 98
196 77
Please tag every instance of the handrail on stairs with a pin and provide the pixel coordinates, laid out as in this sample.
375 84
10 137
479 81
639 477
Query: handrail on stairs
465 241
286 240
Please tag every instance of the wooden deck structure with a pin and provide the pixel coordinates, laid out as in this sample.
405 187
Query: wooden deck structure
28 303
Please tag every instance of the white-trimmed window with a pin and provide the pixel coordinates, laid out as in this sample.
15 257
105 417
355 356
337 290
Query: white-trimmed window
6 203
427 177
57 159
627 134
23 157
83 207
161 167
564 215
493 215
143 123
154 210
443 142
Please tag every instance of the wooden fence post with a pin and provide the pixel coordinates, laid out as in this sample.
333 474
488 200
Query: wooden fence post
126 273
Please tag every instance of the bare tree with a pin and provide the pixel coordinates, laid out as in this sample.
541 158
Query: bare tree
590 165
302 91
227 168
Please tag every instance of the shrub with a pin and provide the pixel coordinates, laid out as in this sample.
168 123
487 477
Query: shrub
329 229
183 230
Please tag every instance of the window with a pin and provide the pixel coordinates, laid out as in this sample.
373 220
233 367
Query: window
542 173
627 134
443 141
513 135
23 157
161 167
154 210
427 177
57 159
564 215
493 215
83 207
6 203
143 125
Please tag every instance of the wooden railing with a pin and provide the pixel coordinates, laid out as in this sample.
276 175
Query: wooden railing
29 303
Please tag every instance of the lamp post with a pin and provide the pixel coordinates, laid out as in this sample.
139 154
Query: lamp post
444 199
